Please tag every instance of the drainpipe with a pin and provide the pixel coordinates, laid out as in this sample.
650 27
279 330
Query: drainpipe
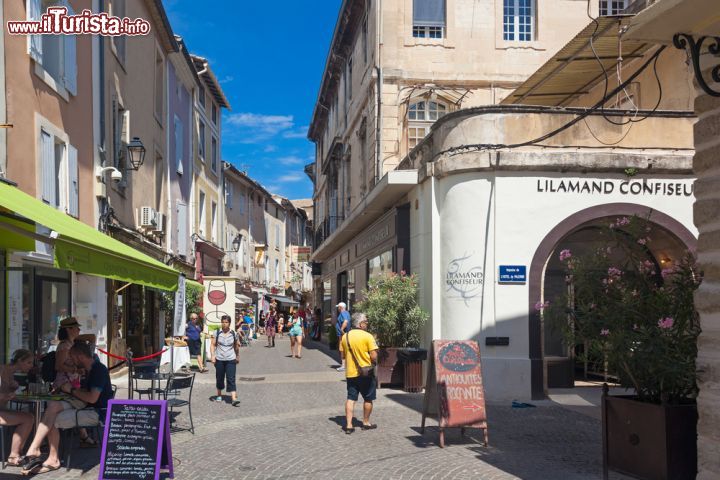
3 104
378 69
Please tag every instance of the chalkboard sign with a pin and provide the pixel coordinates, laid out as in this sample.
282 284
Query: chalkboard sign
136 442
454 389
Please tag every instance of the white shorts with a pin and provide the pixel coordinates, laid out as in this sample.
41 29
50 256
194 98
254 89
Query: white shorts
71 417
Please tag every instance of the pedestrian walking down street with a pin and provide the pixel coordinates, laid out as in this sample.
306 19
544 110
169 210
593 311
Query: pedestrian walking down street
359 350
342 326
224 354
193 332
281 325
270 326
296 335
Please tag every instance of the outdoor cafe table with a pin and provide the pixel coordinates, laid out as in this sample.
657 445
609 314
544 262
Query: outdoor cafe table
180 357
153 377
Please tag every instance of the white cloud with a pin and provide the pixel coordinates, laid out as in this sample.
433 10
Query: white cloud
290 177
226 79
299 132
255 127
290 160
270 149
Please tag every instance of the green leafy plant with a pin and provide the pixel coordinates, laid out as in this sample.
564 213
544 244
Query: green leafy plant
631 171
193 294
635 315
393 312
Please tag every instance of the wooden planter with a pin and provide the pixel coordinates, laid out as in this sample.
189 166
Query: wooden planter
389 371
649 441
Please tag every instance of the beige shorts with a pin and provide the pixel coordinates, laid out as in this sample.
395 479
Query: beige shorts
71 417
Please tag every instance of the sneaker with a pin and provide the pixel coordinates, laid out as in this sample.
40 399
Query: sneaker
340 369
218 399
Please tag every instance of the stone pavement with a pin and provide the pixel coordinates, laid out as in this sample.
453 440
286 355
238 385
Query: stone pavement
289 426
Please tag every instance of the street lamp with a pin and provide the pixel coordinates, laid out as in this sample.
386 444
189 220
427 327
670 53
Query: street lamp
136 153
236 243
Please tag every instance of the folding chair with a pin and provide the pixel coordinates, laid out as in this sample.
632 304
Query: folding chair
176 386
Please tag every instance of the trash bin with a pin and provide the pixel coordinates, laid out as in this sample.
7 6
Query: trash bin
412 359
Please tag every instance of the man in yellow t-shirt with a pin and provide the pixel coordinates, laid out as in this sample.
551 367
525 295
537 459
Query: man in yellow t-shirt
361 352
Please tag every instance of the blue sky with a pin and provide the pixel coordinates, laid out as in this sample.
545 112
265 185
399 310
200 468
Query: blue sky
269 59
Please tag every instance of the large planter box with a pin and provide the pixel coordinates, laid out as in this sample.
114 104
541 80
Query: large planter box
389 371
649 441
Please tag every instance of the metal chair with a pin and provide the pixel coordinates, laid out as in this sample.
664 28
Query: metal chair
67 435
176 386
145 369
3 459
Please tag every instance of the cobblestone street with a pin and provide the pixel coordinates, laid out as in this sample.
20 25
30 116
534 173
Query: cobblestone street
289 426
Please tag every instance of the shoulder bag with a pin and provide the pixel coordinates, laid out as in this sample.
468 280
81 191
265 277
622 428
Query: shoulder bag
364 371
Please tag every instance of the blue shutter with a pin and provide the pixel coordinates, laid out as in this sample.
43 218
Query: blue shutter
47 155
179 145
73 187
70 60
34 42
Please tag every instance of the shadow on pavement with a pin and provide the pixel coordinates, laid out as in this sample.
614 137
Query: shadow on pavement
413 401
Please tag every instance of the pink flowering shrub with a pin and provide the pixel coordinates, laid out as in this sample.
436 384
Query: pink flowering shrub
633 314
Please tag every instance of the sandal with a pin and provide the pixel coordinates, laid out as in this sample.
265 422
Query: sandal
31 464
348 431
236 403
369 426
47 468
18 461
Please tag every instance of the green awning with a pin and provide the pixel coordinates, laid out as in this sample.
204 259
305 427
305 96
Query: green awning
81 248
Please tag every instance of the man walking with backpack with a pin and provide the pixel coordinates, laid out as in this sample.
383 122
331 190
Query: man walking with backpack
224 354
359 350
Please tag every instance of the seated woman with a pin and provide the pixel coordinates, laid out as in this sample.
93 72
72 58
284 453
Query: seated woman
21 362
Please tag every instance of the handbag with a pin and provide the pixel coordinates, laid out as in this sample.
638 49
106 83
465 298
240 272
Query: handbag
364 371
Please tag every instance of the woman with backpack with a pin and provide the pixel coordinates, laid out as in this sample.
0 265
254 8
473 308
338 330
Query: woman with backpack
224 354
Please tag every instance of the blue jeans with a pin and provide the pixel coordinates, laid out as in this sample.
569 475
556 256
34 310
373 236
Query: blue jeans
225 369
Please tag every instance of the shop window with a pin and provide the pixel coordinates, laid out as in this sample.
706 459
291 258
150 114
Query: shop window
381 265
421 115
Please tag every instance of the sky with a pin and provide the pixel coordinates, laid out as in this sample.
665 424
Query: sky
269 60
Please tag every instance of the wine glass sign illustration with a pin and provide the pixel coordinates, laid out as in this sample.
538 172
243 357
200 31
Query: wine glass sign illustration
217 295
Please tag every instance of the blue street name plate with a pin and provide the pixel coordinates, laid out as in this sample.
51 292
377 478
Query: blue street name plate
512 274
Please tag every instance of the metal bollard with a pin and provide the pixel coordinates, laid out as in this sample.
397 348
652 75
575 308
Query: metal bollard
129 356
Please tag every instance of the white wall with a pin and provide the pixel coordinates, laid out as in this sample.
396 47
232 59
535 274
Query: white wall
477 235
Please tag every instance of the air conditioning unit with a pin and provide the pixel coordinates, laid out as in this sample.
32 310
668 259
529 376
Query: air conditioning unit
160 222
147 218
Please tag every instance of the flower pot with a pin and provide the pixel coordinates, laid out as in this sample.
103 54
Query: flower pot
389 371
649 441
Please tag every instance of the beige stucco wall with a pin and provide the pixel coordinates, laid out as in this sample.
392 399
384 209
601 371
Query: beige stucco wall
32 103
471 66
132 82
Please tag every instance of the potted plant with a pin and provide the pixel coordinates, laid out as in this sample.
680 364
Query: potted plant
332 337
396 320
636 317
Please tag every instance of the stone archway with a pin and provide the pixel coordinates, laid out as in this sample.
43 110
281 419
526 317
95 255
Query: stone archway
549 244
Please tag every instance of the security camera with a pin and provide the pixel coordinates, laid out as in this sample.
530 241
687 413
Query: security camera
116 176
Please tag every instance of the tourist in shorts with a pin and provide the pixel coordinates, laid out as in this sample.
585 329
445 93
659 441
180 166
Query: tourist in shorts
296 335
193 335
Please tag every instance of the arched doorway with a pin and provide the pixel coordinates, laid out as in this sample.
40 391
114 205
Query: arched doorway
551 363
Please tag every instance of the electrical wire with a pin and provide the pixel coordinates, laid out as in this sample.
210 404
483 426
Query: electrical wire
589 111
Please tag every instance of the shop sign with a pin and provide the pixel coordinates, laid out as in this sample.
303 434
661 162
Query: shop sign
302 254
623 187
512 274
463 279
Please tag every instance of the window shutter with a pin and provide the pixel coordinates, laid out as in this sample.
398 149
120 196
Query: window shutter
228 194
70 60
182 229
47 153
34 42
179 145
73 187
429 13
